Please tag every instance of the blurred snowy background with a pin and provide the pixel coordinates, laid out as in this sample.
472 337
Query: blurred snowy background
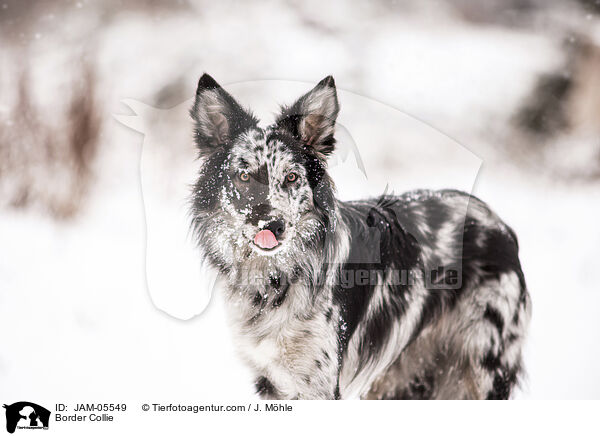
511 84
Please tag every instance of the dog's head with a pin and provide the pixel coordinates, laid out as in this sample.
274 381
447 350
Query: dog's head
263 193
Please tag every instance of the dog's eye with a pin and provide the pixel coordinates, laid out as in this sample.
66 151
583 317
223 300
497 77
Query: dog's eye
244 176
292 177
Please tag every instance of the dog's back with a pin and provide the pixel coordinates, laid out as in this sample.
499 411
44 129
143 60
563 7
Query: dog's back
447 311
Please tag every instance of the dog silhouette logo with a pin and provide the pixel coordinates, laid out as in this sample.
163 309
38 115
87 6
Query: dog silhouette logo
26 415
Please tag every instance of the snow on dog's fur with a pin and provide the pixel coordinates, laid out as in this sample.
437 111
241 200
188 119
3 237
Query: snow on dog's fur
412 296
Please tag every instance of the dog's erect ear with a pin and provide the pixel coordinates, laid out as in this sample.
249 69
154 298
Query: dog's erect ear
219 118
311 119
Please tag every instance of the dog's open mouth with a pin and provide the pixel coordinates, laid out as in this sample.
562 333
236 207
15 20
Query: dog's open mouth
266 240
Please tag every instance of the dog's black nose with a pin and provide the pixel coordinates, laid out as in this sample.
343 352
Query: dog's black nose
277 227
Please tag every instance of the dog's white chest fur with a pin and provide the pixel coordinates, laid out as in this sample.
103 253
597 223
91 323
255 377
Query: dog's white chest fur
294 351
262 353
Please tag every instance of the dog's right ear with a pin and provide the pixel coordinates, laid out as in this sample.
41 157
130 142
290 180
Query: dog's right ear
219 118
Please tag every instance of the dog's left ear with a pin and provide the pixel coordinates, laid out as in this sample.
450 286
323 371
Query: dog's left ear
219 117
311 119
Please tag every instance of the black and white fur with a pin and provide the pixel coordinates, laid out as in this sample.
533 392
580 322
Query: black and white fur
418 296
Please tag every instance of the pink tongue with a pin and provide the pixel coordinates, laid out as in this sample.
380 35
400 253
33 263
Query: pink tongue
265 239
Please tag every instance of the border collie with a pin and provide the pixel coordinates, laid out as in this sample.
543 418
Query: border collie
417 296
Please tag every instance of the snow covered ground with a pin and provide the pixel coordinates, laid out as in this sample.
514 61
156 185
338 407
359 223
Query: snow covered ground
426 98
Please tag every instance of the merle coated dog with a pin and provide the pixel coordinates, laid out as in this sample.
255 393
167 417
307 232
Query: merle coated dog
418 296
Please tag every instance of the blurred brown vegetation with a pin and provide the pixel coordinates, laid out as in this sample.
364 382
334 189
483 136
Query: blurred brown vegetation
50 136
47 164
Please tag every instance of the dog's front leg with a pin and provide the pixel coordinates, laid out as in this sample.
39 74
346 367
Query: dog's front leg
318 386
310 375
